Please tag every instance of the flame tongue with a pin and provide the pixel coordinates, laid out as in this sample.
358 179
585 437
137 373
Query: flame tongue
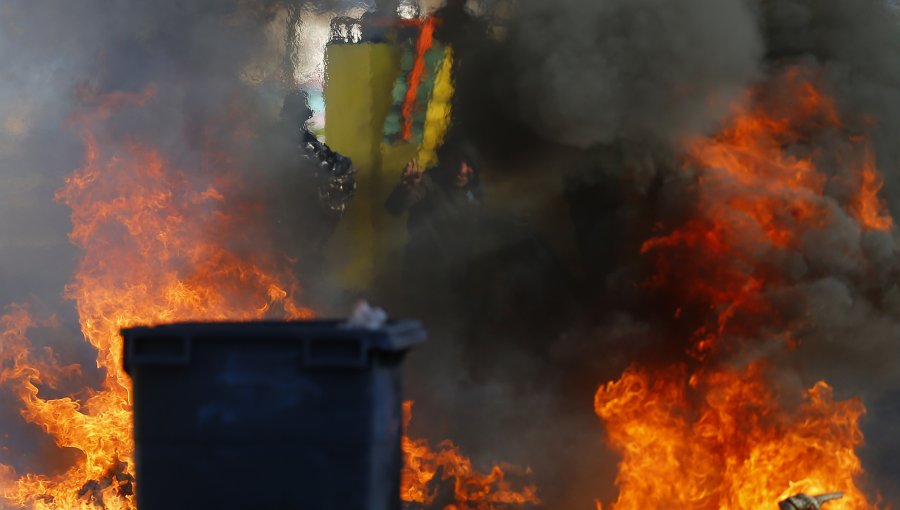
718 437
427 473
721 440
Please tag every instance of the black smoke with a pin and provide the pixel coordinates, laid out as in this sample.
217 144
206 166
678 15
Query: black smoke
581 110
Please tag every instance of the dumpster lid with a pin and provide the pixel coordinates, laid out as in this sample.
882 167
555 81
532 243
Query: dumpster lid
393 336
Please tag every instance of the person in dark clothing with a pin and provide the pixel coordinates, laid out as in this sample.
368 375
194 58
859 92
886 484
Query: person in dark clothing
333 172
443 204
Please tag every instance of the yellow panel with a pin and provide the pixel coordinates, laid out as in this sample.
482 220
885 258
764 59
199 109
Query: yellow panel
357 100
437 116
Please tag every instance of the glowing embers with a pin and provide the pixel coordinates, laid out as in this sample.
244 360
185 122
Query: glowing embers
445 479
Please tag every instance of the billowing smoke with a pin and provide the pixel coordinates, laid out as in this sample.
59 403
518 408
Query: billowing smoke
580 110
599 99
852 301
218 72
610 70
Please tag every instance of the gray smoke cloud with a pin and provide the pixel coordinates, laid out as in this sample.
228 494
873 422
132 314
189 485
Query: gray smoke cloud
194 53
597 72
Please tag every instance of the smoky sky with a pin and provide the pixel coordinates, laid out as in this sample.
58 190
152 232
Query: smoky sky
631 69
602 93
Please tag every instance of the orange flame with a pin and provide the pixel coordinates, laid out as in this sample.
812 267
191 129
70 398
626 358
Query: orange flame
472 490
867 206
720 440
716 437
153 251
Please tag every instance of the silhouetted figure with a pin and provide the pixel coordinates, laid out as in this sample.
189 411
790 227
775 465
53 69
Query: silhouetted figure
444 206
333 172
441 202
305 187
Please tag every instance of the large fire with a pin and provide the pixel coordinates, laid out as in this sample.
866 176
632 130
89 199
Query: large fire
152 251
709 434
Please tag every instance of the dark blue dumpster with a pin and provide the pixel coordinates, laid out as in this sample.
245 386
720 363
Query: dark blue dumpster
266 415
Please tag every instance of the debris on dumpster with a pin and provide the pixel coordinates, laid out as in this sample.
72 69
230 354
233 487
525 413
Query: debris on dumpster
366 316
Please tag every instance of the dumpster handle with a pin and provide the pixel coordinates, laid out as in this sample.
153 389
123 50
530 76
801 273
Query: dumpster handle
343 352
175 350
